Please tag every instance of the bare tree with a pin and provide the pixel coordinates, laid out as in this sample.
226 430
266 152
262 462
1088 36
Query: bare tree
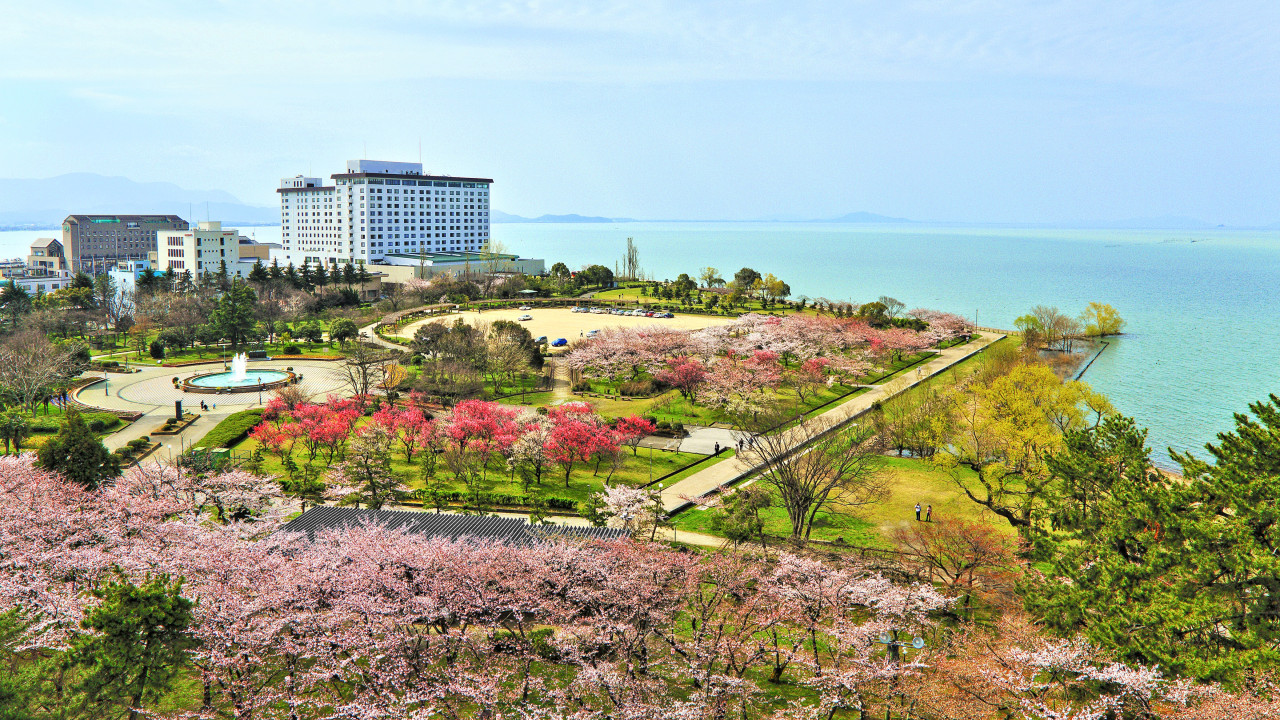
815 466
892 306
31 366
363 368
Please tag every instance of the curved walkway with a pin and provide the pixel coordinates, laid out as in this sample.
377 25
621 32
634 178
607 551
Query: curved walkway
679 496
151 392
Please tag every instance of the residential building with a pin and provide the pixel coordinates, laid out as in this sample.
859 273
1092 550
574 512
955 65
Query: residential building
95 243
201 250
376 209
46 256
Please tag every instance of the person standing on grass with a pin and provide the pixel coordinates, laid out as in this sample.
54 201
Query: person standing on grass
917 512
928 514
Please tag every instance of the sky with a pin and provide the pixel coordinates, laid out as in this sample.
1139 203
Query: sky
969 111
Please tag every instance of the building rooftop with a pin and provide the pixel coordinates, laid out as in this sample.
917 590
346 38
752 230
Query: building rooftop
440 525
44 242
125 218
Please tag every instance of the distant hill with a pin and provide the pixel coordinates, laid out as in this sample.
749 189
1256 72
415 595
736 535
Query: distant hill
43 203
500 217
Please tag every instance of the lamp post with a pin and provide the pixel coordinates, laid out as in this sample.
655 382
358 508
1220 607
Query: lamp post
896 647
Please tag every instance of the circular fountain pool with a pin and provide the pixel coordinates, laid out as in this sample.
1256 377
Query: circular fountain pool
250 381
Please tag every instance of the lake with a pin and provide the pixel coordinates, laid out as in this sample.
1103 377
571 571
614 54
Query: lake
1200 305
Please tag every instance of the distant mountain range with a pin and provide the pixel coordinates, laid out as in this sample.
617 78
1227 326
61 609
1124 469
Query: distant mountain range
44 203
500 217
41 204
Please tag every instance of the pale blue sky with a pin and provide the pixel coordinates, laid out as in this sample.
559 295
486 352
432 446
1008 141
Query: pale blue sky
969 111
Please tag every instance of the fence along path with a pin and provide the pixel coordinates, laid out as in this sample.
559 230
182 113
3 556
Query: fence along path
681 495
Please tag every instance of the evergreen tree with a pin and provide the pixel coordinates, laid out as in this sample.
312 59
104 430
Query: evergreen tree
275 271
139 642
220 278
233 315
1180 573
321 276
307 277
291 274
348 274
259 273
362 273
78 455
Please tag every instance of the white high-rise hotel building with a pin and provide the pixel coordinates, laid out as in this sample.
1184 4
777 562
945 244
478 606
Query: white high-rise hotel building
378 209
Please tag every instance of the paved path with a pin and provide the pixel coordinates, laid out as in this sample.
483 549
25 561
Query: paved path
703 482
151 392
369 332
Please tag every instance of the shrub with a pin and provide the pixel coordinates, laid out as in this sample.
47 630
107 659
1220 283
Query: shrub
138 443
232 429
145 438
292 350
107 420
157 349
639 388
582 386
677 427
111 364
96 425
663 425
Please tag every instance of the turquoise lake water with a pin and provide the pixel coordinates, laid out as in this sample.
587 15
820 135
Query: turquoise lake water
1201 308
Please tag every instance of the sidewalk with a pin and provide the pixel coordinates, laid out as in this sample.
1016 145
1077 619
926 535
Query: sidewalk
679 495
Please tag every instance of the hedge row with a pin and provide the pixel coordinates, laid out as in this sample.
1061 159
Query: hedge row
462 497
232 429
97 422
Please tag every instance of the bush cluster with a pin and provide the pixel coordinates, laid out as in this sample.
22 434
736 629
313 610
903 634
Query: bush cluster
232 429
461 497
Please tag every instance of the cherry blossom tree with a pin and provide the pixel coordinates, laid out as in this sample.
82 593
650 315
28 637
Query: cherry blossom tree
684 374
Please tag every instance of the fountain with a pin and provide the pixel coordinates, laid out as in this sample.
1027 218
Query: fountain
239 367
238 379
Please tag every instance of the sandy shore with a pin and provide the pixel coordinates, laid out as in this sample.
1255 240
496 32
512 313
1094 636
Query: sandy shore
563 323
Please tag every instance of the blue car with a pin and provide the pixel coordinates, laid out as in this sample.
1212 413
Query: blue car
560 342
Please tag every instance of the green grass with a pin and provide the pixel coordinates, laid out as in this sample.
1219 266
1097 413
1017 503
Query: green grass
909 480
635 470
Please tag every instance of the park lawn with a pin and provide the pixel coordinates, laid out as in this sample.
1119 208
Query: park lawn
672 407
533 399
636 469
632 295
895 368
910 481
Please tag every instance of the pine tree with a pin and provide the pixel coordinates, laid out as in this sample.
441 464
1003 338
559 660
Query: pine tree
321 276
139 642
258 274
78 455
275 271
1183 573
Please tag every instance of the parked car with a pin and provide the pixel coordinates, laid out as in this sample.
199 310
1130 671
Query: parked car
525 307
560 342
525 317
540 340
649 314
592 333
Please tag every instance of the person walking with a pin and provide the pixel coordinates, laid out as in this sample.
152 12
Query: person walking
717 448
917 512
928 514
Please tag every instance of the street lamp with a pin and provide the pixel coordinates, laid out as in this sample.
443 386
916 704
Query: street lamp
895 646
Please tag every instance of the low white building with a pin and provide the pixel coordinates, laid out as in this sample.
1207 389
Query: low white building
202 250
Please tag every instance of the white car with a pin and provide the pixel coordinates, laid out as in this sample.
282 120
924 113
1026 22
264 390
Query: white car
525 317
525 307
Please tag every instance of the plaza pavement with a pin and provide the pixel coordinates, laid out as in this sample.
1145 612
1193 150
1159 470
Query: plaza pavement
679 495
151 392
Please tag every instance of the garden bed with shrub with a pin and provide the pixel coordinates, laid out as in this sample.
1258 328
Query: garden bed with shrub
233 429
135 450
171 427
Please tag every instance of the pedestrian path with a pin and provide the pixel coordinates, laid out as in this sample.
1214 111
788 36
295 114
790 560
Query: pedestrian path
680 495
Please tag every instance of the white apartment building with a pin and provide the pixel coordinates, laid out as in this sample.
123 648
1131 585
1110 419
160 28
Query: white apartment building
377 209
200 250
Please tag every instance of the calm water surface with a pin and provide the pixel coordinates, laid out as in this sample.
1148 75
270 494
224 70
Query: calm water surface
1201 306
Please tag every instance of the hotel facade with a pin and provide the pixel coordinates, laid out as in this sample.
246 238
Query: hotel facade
377 210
